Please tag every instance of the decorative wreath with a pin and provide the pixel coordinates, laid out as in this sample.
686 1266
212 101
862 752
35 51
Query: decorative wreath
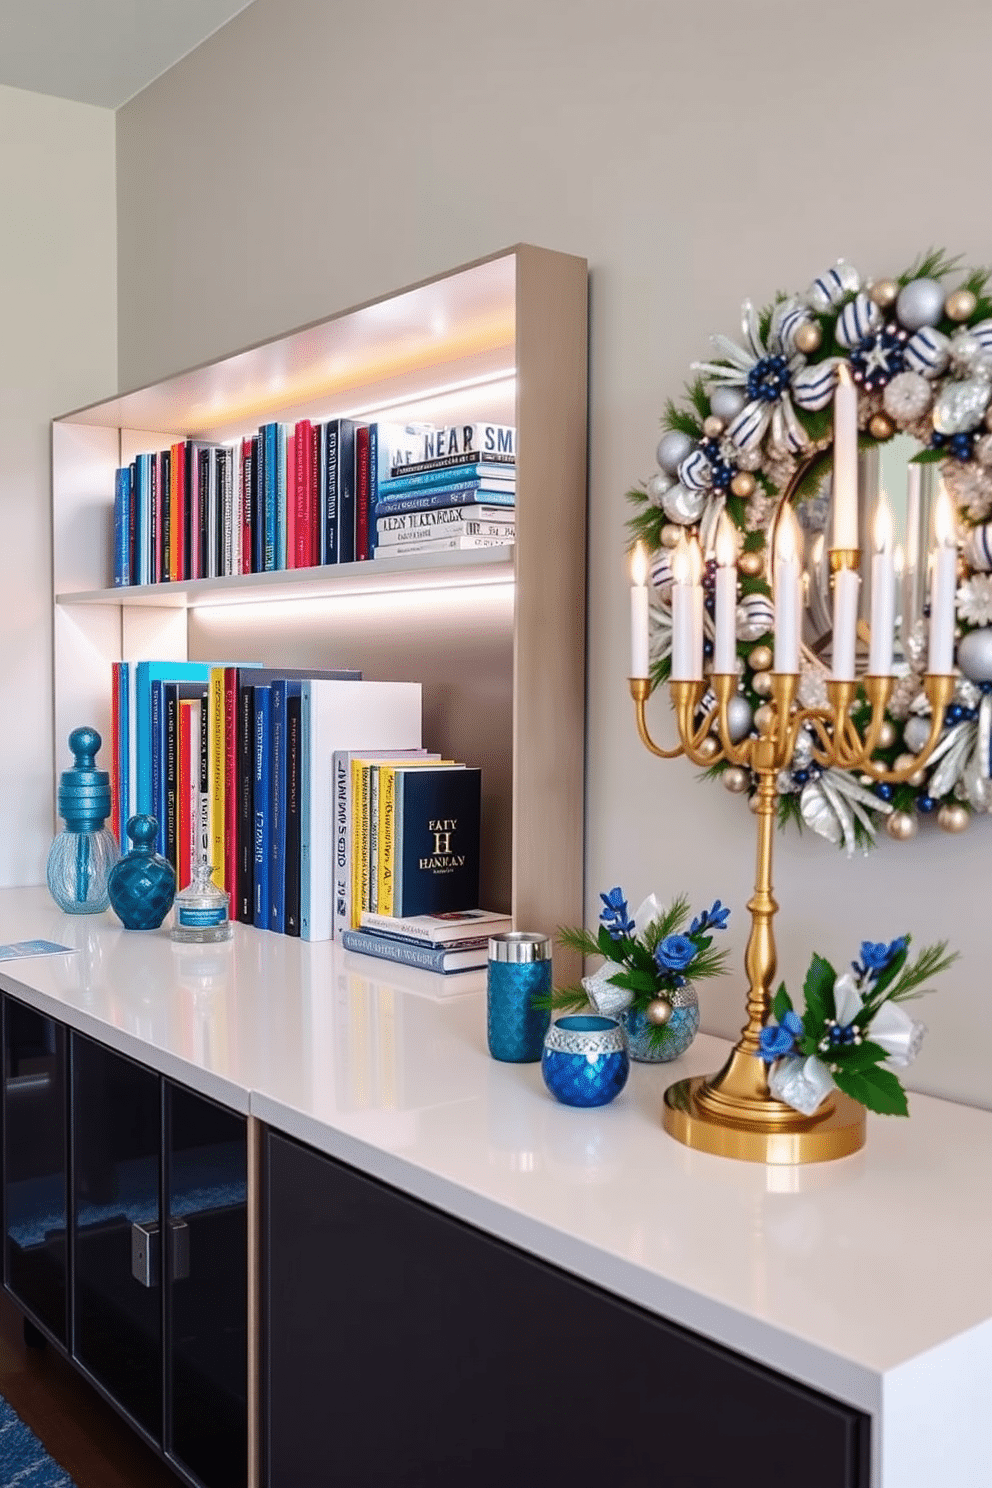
749 435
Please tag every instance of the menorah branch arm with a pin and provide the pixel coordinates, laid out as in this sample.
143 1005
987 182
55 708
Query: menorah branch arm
640 691
724 685
939 689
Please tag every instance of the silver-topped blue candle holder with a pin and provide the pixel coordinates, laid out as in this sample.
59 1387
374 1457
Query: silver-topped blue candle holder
585 1060
519 972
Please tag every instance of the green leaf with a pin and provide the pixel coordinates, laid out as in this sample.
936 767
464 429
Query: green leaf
818 989
679 420
877 1089
856 1057
698 397
570 999
928 457
889 975
781 1003
578 940
930 962
635 981
606 945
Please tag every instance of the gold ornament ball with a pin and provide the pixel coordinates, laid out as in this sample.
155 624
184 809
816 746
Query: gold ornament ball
764 716
754 802
713 427
670 534
886 735
744 484
902 825
735 779
958 306
751 565
903 762
809 337
760 658
880 426
952 817
658 1011
709 748
762 684
884 293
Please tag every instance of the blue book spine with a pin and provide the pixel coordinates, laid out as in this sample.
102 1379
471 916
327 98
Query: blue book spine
434 480
269 470
397 950
122 527
123 743
460 495
143 520
277 808
281 496
263 750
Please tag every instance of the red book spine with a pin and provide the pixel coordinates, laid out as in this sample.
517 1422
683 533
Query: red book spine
291 499
303 433
361 492
230 779
184 794
316 498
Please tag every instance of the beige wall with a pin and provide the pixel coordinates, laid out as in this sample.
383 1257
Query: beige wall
312 155
58 349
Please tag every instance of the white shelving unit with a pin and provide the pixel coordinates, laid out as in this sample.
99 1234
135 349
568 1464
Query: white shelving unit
496 638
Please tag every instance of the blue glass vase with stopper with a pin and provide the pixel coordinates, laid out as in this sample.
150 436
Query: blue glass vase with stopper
84 852
143 884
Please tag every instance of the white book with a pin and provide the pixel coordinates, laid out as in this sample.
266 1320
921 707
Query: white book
443 929
341 715
442 545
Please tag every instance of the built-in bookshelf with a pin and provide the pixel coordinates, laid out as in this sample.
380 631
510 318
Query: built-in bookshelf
496 637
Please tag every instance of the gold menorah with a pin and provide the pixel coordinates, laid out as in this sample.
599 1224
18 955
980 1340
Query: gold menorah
732 1113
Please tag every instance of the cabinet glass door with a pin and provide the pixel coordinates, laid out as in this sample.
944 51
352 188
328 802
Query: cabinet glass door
34 1164
117 1297
206 1289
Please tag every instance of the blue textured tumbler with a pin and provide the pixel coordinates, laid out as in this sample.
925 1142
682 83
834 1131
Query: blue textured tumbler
519 971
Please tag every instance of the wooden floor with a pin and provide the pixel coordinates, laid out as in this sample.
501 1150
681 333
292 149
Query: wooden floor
82 1433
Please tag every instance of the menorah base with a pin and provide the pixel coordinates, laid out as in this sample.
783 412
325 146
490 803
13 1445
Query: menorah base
763 1131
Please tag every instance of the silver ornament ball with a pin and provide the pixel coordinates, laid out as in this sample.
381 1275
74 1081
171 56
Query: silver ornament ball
916 732
657 485
953 817
886 735
920 303
739 718
658 1011
975 654
672 450
736 779
902 825
726 402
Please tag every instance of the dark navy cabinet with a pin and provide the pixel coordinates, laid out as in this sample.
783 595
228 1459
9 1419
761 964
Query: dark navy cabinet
407 1349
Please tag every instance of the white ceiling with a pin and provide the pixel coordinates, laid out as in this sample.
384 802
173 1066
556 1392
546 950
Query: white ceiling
101 51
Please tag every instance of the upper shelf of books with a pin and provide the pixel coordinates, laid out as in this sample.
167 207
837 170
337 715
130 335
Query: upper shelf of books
431 340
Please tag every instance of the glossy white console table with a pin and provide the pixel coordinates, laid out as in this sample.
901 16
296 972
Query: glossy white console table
868 1279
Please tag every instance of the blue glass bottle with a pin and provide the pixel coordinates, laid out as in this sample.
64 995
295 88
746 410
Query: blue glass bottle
519 971
84 852
143 884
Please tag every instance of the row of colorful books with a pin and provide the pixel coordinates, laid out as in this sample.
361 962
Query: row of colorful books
303 495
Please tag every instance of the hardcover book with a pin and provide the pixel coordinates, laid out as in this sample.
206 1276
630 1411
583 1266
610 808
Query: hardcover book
437 839
461 439
429 958
440 929
487 477
465 493
431 522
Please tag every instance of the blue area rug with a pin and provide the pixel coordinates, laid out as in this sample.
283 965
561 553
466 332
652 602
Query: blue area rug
23 1460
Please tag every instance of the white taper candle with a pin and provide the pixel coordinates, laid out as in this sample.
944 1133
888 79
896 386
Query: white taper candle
639 613
845 472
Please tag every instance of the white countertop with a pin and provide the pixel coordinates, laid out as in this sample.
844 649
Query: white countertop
839 1274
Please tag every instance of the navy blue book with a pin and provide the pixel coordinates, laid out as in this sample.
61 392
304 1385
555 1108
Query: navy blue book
122 527
339 484
329 493
262 778
294 754
436 815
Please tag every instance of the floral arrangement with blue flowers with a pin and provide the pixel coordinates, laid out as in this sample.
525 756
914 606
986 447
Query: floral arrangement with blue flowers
852 1032
648 957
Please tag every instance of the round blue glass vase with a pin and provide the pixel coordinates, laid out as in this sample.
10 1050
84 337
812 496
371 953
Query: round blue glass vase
585 1060
143 884
84 852
519 971
649 1044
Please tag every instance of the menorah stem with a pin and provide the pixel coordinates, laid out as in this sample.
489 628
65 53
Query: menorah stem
760 959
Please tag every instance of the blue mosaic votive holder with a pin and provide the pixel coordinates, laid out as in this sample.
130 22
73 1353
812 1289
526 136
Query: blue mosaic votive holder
585 1060
519 971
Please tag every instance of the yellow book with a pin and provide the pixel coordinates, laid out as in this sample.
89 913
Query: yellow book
216 773
359 839
386 833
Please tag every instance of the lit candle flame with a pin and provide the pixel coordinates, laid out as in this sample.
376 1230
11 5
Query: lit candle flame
943 520
726 543
680 561
788 539
639 565
883 525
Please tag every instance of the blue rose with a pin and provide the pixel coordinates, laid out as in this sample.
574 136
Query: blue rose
675 953
711 919
615 914
776 1040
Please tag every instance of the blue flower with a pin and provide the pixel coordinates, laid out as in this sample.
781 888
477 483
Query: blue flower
876 955
616 916
776 1040
711 919
675 953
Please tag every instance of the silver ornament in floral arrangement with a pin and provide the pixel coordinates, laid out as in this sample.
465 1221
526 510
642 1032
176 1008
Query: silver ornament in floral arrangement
916 733
858 319
907 397
833 287
695 471
755 617
974 600
920 303
978 548
661 576
968 351
961 406
672 450
928 352
727 402
740 718
682 506
975 655
657 485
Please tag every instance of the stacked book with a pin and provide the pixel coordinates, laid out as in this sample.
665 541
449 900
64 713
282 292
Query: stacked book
459 494
443 943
